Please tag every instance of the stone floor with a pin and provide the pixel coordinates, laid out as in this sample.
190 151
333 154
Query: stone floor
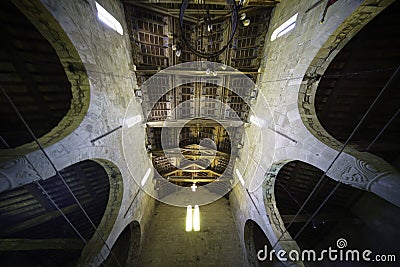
216 244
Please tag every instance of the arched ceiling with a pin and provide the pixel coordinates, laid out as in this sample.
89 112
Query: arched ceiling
32 76
354 79
293 184
32 227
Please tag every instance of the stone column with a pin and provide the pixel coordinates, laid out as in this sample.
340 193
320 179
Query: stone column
15 173
370 173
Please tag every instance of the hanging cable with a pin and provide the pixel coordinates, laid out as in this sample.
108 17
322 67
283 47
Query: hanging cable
59 210
361 121
292 197
43 190
268 81
383 129
57 172
334 160
64 215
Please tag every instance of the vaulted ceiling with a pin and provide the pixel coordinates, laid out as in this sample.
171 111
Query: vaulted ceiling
355 78
32 228
156 36
293 184
32 76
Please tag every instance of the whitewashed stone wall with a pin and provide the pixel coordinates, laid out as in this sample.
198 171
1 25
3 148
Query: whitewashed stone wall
285 137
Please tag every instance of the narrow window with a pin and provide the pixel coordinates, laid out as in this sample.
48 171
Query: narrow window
108 19
286 27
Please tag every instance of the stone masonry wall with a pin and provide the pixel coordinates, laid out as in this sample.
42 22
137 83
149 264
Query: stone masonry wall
216 244
105 59
283 135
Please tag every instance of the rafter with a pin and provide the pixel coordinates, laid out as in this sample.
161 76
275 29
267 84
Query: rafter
194 171
40 197
197 122
39 220
195 179
210 2
18 244
84 179
320 217
175 152
28 79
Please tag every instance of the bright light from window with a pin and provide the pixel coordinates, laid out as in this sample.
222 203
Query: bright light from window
286 30
130 122
196 218
145 177
239 175
286 27
192 218
256 121
189 219
108 19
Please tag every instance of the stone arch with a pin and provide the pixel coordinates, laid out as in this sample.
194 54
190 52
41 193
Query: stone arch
349 213
275 220
348 208
381 177
74 69
306 98
269 199
289 196
94 246
255 240
127 247
97 184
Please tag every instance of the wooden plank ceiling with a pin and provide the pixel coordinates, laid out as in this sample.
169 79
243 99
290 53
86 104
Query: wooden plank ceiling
293 184
29 222
33 77
355 78
153 29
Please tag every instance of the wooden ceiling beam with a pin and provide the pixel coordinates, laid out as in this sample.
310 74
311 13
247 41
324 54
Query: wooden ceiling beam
20 244
185 179
327 217
193 171
40 197
210 2
190 153
37 220
195 123
21 69
82 176
158 9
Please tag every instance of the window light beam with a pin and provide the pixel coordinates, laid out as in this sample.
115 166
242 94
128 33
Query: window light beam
189 219
240 177
108 19
132 121
146 176
196 218
286 27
